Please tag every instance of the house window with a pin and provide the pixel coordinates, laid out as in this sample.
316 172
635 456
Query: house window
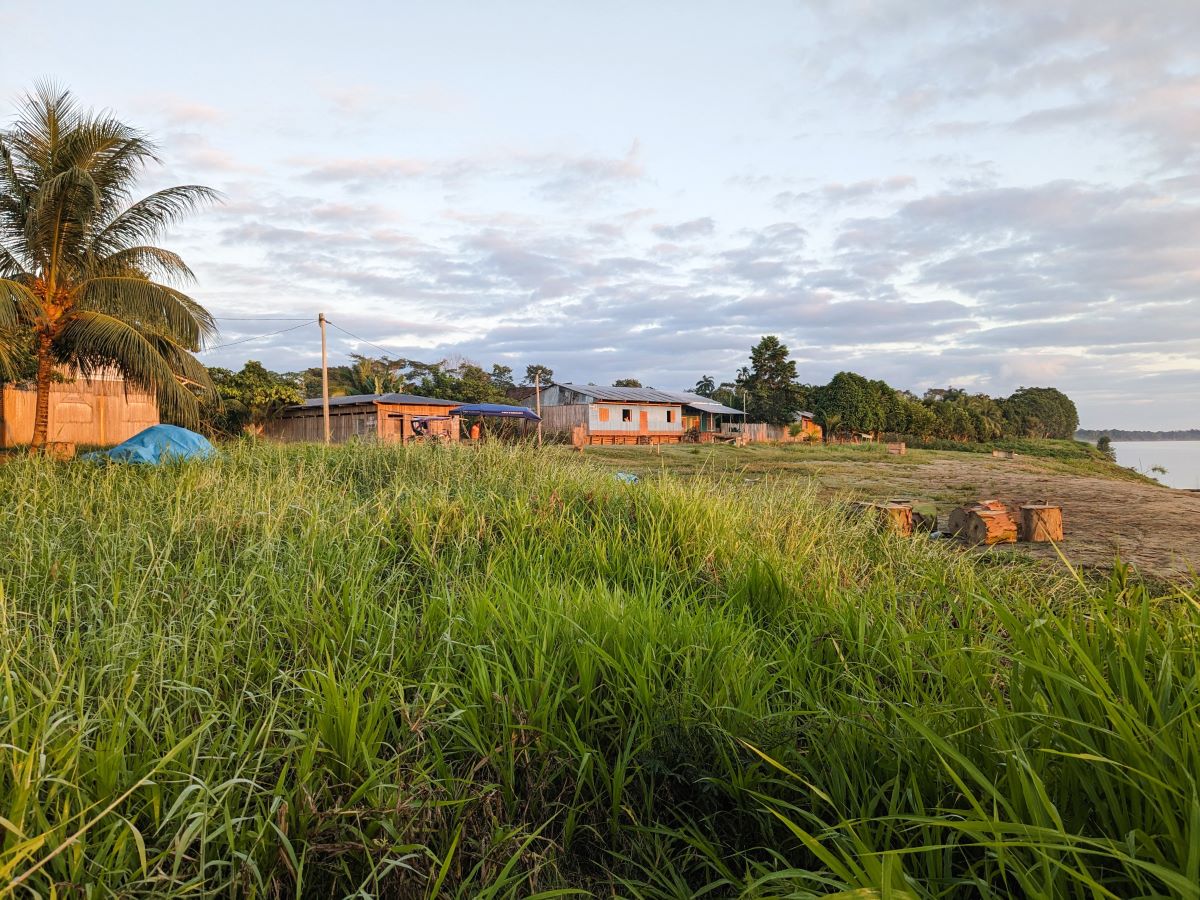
627 415
603 413
670 416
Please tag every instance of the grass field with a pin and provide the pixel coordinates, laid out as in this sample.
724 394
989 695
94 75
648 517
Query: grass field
485 672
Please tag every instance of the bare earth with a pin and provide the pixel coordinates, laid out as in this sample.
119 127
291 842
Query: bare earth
1157 529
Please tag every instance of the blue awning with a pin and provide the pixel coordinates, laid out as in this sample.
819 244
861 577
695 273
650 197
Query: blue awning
496 410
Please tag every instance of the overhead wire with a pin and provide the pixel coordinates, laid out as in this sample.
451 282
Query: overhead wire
259 336
357 338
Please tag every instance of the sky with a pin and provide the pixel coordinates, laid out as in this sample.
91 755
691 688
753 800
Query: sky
937 193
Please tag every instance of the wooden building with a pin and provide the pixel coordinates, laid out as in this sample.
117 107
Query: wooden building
101 411
614 415
394 418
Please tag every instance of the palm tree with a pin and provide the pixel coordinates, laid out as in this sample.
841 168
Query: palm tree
79 273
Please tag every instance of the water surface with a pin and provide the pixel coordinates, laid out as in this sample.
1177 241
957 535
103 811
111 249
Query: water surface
1181 459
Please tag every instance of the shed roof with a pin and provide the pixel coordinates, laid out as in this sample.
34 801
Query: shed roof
394 399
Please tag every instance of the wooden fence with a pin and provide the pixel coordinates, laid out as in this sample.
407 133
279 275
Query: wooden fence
100 412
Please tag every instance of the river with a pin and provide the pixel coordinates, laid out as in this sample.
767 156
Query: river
1181 459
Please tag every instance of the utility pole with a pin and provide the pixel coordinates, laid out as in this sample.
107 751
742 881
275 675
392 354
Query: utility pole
537 393
324 378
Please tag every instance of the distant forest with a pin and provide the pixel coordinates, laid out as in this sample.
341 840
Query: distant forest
1122 434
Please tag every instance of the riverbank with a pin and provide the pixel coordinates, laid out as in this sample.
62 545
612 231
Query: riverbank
1109 511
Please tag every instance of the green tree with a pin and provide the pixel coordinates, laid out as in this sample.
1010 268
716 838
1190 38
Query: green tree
627 382
531 373
1104 445
502 377
369 375
770 383
249 398
78 265
851 399
705 387
1041 412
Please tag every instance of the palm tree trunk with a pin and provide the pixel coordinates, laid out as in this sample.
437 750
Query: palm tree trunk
45 372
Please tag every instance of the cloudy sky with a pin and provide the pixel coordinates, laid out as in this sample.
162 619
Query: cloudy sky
984 195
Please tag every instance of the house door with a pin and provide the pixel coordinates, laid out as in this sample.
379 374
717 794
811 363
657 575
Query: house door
643 421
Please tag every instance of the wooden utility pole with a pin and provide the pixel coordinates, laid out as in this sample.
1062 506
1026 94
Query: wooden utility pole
537 393
324 378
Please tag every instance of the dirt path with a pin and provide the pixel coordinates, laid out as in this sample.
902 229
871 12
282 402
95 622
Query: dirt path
1157 529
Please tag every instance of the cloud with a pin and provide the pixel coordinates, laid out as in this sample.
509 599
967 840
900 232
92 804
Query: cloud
556 176
685 231
1118 68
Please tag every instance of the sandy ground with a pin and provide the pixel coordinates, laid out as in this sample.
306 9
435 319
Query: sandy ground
1157 529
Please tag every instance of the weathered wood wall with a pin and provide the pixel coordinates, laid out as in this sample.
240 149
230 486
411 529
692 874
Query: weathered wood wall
100 412
384 422
758 432
561 419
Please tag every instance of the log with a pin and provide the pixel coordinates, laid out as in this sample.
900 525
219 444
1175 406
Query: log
1041 522
990 526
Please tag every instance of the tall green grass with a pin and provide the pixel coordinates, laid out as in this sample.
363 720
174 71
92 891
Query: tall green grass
485 672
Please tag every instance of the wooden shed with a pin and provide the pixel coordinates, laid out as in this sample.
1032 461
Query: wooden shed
102 411
394 418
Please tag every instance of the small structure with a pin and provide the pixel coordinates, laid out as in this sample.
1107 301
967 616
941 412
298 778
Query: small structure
102 410
502 411
897 448
612 415
392 418
809 429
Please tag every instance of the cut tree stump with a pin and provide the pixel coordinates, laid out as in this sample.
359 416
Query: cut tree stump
897 517
1041 522
959 518
924 512
990 526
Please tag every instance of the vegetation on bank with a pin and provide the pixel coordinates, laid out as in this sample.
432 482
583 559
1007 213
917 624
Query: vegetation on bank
487 672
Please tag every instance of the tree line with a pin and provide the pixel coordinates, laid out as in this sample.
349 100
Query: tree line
1126 434
254 394
770 391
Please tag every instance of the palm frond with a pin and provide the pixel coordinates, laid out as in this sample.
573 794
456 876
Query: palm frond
138 300
149 218
17 303
144 259
93 341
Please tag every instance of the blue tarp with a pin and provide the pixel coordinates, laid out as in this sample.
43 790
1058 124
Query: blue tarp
499 410
158 444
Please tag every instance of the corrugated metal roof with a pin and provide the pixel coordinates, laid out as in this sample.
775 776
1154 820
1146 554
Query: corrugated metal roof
402 399
650 395
621 394
712 406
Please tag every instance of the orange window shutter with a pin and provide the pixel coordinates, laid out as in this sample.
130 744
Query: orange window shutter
604 414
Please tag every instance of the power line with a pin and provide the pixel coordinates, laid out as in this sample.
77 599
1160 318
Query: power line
258 337
263 318
357 338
